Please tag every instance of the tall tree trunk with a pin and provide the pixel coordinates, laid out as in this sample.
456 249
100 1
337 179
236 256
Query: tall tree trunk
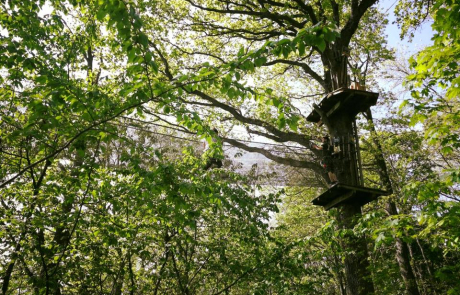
358 277
119 279
403 258
402 250
9 269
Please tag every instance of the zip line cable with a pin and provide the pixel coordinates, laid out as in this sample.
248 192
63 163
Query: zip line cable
197 141
186 139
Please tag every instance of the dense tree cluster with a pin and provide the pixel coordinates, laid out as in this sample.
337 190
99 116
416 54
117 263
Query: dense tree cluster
104 109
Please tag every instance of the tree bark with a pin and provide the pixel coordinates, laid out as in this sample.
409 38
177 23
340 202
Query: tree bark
358 276
402 250
357 273
403 258
9 269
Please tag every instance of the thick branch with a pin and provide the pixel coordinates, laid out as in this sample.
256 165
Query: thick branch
309 10
284 136
335 12
278 18
304 67
281 160
357 12
244 33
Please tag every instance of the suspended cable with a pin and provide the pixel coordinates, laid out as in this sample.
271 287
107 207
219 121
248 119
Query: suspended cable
198 141
188 132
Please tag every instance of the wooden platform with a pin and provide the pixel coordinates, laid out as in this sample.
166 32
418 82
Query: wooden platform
345 100
347 194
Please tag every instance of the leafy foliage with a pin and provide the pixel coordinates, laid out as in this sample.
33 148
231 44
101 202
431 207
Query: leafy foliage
94 199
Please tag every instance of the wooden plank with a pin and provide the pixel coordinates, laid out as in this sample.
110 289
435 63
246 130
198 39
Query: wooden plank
335 107
339 200
340 193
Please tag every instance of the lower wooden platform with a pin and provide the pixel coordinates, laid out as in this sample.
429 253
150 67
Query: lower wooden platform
347 194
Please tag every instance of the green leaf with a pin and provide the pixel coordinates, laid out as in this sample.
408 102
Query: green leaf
286 50
283 42
248 66
293 122
301 48
260 61
154 66
148 57
143 40
240 52
41 79
281 122
101 13
330 35
447 150
321 45
131 55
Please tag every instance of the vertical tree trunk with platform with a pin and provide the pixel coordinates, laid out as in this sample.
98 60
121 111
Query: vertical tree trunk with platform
338 111
357 271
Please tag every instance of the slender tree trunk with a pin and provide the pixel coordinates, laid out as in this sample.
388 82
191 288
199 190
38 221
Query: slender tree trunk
119 279
403 258
132 287
36 185
9 269
402 250
62 235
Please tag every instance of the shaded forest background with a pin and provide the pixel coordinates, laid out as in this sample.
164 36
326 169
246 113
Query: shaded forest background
105 109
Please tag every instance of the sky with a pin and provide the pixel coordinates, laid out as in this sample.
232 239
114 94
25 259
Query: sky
422 37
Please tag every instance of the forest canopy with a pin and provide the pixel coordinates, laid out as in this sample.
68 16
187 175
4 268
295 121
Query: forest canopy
127 131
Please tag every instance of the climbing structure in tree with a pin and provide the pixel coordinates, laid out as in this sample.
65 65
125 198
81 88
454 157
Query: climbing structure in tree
338 111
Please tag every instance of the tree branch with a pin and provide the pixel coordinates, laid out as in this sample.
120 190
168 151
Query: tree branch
304 67
357 12
335 12
281 160
307 8
278 18
284 136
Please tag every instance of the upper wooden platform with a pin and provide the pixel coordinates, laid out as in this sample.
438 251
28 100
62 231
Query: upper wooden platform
346 100
347 194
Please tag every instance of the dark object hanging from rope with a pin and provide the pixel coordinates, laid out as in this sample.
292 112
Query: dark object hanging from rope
211 162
